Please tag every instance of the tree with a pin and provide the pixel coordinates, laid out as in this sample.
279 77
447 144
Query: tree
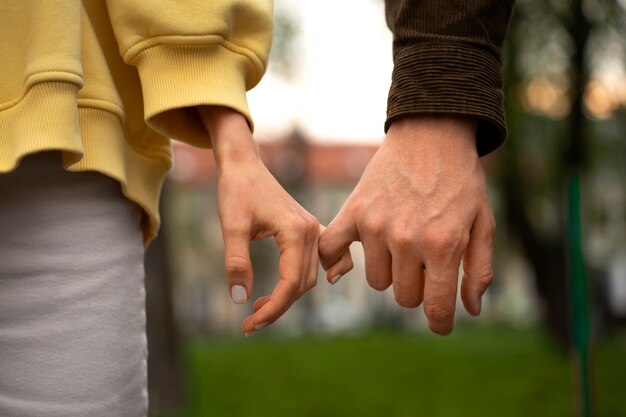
553 55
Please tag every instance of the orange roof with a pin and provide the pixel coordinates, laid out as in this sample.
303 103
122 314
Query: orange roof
289 160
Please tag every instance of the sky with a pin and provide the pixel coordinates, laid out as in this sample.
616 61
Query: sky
342 70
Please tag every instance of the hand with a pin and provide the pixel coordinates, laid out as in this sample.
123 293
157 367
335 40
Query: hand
252 205
420 207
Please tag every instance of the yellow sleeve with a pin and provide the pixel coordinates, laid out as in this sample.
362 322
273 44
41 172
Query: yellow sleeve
192 53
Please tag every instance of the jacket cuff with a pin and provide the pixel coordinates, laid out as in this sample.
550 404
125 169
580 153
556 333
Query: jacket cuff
175 79
451 79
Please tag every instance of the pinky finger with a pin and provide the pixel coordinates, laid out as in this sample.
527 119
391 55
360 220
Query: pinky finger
478 263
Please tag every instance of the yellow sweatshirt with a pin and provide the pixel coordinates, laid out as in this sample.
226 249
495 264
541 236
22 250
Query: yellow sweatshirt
108 82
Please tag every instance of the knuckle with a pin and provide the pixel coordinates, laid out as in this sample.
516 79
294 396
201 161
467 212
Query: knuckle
237 265
373 226
312 225
305 226
486 279
403 240
440 239
299 224
483 280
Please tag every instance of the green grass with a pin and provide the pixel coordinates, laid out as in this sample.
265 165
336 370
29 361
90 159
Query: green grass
474 372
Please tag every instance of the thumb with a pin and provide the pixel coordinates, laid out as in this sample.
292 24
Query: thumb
336 239
237 263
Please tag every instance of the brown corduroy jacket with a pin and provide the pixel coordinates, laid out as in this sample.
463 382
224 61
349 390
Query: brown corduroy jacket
448 60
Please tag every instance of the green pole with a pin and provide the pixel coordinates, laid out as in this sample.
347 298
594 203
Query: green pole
581 329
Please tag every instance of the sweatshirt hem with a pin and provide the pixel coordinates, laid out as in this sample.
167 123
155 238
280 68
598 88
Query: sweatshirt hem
90 139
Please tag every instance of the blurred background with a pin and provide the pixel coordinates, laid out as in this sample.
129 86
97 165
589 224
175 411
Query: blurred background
551 340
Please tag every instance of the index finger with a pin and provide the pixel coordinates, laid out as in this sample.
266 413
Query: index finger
284 295
288 289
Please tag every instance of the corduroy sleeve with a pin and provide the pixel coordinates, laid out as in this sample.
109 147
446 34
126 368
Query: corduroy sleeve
447 60
193 53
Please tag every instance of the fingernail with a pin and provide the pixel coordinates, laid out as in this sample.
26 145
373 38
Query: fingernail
336 278
239 294
248 334
261 325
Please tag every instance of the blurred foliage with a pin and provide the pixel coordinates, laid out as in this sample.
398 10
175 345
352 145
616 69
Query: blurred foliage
565 97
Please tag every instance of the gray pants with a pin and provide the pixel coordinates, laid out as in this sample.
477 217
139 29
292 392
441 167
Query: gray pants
72 313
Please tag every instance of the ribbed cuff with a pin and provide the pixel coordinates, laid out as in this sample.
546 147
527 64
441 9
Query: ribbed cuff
175 79
46 118
452 79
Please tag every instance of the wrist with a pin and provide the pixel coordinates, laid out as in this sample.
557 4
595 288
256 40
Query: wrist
230 136
452 133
